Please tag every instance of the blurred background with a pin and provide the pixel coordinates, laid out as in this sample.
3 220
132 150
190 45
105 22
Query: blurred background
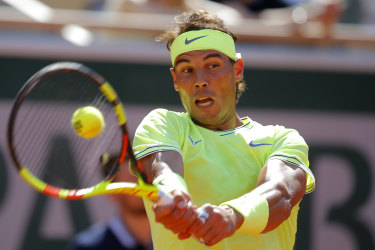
310 65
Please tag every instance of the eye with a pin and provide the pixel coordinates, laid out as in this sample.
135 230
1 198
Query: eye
186 70
213 65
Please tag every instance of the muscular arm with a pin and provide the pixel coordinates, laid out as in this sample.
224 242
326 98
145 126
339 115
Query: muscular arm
283 186
157 163
178 215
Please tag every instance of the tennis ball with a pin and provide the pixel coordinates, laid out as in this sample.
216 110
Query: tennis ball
88 122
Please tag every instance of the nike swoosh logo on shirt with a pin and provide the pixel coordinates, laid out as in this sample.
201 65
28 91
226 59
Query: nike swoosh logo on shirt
187 41
252 144
194 142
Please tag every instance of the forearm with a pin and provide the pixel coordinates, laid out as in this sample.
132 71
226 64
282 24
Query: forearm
166 170
162 162
279 188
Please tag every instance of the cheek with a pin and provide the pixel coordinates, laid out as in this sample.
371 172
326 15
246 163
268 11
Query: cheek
227 87
184 89
184 97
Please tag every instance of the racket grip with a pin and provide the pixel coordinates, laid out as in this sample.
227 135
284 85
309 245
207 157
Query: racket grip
202 215
165 198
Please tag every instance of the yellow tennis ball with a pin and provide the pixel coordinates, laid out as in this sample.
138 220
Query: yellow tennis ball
88 122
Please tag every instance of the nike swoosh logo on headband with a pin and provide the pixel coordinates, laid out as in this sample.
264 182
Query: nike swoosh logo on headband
187 41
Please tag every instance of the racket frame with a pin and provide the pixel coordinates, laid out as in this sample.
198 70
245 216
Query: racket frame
142 190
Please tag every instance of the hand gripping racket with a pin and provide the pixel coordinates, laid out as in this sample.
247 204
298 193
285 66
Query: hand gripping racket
51 156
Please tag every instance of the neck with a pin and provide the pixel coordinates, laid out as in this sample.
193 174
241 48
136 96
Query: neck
221 126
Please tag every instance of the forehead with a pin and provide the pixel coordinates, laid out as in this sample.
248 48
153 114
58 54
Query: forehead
200 54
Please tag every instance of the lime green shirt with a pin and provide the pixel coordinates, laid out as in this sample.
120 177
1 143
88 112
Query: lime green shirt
220 166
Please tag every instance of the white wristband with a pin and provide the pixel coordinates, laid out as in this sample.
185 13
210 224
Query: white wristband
170 181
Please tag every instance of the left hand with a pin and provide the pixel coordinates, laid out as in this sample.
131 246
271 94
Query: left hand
221 222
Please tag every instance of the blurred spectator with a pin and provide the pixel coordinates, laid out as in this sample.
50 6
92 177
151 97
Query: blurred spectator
66 4
368 11
325 12
128 230
255 6
228 14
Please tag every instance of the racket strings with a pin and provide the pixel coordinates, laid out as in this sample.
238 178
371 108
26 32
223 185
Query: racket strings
101 103
33 138
46 89
46 140
37 110
37 138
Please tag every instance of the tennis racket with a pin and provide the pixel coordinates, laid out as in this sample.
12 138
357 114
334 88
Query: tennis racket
52 157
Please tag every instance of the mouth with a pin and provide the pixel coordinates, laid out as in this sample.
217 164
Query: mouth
204 101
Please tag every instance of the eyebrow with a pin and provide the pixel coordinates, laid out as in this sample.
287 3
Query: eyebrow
180 61
212 55
205 58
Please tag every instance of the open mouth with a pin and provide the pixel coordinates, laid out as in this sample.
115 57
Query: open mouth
204 101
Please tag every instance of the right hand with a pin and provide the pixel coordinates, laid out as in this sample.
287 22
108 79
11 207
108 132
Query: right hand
177 214
220 222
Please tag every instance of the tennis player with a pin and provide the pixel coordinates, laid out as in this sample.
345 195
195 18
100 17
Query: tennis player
236 184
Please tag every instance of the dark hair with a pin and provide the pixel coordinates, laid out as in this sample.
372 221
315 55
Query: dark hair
197 20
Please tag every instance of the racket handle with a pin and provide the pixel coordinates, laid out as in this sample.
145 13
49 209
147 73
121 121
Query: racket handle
202 215
165 198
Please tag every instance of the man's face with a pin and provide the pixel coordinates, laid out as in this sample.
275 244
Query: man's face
206 82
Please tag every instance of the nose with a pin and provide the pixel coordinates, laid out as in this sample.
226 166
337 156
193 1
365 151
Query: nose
200 80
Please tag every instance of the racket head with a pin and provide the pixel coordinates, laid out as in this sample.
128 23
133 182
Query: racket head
45 148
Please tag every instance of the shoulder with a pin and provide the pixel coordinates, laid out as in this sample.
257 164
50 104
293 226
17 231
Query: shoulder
164 117
276 131
161 112
292 135
278 134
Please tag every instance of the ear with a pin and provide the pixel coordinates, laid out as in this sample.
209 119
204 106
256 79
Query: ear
174 79
239 69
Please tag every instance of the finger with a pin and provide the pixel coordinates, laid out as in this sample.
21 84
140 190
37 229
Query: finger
184 236
179 221
182 200
163 208
184 222
200 232
213 233
193 228
214 240
170 220
202 217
